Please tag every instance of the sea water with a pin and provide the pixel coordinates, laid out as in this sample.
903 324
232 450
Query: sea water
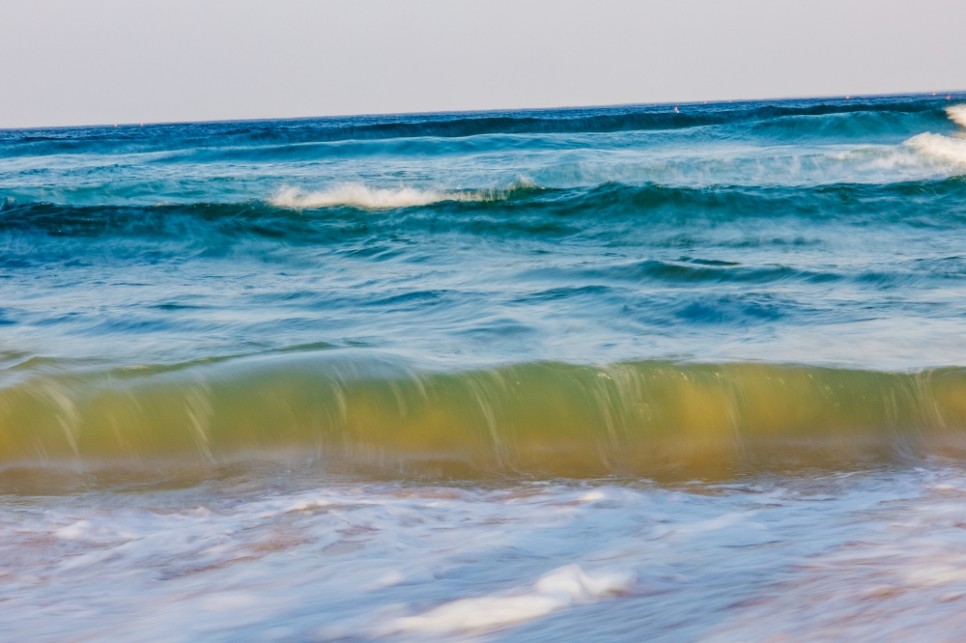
691 372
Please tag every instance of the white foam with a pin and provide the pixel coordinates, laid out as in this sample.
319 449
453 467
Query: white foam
360 195
939 148
560 588
74 531
232 560
366 197
957 114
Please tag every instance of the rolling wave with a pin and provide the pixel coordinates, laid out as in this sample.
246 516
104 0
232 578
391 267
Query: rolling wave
638 418
836 126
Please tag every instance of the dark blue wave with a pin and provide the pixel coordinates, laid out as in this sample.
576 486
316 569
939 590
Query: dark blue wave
521 210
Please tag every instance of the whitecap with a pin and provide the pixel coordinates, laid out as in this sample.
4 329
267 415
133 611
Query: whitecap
939 148
357 195
360 195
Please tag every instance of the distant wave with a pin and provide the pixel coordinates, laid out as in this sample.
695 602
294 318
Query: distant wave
579 120
205 136
842 125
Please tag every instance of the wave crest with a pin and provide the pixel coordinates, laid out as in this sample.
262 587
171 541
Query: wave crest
939 148
360 195
565 420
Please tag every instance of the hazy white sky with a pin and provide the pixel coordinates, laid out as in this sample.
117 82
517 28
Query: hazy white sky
104 61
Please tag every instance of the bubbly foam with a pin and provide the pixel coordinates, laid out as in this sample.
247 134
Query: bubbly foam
357 195
360 195
563 587
283 554
650 418
363 196
939 148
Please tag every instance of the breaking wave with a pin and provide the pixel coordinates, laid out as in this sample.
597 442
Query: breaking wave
945 149
949 150
957 114
362 196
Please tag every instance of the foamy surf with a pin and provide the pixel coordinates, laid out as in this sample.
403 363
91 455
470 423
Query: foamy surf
367 197
357 195
939 148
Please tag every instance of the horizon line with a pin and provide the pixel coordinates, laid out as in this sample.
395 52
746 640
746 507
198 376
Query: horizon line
945 94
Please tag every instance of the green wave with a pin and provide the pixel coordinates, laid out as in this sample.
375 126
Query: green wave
352 414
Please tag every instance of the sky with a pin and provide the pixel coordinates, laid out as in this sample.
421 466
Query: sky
71 62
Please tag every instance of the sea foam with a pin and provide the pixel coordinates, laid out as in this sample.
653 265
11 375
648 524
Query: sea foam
939 148
363 196
563 587
360 195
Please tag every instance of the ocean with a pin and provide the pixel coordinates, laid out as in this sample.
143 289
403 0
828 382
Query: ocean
687 372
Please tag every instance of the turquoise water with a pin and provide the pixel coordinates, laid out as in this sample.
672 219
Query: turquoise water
295 372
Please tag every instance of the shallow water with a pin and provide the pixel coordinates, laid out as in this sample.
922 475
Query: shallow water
288 557
612 373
